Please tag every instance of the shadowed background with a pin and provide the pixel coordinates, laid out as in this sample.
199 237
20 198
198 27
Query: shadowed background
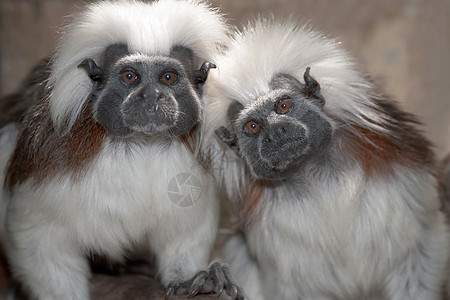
403 44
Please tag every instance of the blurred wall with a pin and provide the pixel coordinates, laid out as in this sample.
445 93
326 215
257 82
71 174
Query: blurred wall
403 44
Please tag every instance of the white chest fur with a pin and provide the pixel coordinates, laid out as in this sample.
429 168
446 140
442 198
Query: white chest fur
123 197
345 239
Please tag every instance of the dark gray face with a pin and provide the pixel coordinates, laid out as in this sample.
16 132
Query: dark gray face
285 128
146 94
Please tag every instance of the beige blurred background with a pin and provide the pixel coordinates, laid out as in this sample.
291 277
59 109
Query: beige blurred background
403 44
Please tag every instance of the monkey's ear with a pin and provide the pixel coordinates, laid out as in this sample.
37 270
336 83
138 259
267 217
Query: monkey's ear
93 71
201 75
234 109
224 134
186 57
312 88
230 139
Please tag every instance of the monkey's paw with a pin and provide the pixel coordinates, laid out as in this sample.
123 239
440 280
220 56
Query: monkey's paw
212 281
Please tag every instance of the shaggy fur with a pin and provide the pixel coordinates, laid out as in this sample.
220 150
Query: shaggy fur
147 28
359 221
73 189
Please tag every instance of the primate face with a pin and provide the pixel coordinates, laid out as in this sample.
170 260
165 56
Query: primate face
281 129
137 93
148 95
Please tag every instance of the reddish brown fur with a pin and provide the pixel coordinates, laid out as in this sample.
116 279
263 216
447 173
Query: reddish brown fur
402 143
190 139
251 200
40 153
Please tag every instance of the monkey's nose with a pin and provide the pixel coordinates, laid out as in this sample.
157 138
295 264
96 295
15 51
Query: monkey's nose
278 133
151 96
147 101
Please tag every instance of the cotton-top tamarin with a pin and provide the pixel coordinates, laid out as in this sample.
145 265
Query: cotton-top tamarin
98 151
332 183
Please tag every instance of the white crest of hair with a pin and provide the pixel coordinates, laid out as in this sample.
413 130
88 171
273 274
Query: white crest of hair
149 28
284 46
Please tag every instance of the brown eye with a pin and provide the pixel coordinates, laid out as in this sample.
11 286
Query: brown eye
169 78
283 106
252 127
129 76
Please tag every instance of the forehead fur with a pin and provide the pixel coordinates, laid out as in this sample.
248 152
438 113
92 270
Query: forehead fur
138 58
267 47
149 28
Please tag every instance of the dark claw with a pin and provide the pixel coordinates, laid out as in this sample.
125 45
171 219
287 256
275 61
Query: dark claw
232 289
214 280
217 278
218 287
197 283
202 74
221 277
170 293
177 288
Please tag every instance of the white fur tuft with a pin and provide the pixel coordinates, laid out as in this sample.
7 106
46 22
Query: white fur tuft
149 28
267 47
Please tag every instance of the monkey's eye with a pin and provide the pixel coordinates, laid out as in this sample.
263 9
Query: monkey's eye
252 127
129 76
283 106
169 77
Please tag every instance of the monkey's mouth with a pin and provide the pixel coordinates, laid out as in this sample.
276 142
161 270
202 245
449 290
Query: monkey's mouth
277 161
261 172
279 157
276 168
151 119
165 116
